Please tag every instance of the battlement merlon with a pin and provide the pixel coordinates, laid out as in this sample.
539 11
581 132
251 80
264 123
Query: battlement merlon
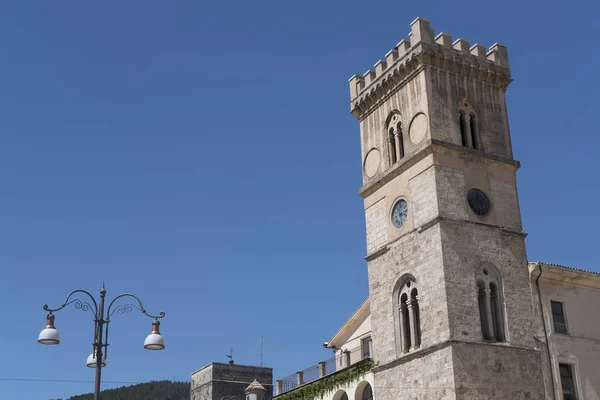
439 51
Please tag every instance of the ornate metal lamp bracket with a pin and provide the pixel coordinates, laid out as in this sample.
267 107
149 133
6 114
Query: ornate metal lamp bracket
79 304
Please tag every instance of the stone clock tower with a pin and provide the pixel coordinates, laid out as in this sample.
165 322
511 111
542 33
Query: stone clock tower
451 307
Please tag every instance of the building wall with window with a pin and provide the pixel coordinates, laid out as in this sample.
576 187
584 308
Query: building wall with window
355 340
567 309
358 345
352 342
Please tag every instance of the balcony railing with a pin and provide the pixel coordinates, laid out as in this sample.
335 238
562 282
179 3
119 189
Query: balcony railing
323 368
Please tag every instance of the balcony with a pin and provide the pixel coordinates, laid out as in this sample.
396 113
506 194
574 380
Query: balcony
344 360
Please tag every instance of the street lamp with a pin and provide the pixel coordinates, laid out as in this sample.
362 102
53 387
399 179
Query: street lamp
97 359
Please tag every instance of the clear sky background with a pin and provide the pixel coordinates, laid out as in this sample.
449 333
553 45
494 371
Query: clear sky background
202 155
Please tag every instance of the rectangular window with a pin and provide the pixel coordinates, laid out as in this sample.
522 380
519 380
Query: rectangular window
558 317
367 347
567 382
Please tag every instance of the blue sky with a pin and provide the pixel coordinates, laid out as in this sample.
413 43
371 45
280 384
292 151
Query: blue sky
201 155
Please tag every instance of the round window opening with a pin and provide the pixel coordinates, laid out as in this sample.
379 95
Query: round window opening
479 202
400 213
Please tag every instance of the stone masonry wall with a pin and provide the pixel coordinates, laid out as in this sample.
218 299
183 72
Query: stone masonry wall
423 196
427 377
447 90
506 203
201 385
408 101
231 380
412 255
218 381
376 224
496 372
466 247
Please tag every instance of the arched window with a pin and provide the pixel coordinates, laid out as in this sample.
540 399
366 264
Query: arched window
491 303
394 137
469 130
340 395
367 393
408 316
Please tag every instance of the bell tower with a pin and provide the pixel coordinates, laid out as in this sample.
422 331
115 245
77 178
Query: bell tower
449 289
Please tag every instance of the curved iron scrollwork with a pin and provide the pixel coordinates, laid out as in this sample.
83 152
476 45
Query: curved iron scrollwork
79 304
82 305
124 309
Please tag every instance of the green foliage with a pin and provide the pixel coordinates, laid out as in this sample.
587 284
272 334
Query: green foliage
329 383
155 390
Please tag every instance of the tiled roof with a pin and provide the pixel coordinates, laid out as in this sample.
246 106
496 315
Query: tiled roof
565 267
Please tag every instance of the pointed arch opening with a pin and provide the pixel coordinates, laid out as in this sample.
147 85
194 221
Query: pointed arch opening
395 137
491 303
407 316
468 125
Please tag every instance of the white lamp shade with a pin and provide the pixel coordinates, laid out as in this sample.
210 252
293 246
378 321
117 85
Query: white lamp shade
154 341
91 361
49 336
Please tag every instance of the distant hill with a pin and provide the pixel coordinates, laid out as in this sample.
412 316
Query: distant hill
155 390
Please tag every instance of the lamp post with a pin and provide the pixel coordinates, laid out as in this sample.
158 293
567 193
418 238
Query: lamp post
49 335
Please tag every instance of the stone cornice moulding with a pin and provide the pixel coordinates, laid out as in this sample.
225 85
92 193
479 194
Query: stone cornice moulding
430 147
379 252
435 221
446 343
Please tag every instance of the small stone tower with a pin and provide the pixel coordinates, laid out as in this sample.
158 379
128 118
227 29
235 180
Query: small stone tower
219 381
451 308
255 391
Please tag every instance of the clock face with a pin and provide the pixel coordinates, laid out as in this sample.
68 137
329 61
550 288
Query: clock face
479 202
400 213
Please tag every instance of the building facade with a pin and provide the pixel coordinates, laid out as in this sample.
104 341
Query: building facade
566 303
220 381
455 311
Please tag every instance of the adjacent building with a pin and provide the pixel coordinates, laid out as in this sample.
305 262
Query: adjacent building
221 381
567 303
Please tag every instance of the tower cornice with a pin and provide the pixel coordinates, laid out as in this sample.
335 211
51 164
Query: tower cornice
423 51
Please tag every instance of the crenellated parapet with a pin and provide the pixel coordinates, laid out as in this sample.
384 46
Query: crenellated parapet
423 49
